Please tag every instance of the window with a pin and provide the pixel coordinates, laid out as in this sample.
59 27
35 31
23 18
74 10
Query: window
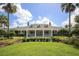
54 31
46 26
31 26
38 26
46 32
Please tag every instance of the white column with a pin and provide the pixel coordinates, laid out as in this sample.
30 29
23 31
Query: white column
27 33
35 33
43 33
51 32
20 31
51 35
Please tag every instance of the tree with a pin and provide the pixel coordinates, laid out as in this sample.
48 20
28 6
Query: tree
76 26
69 8
63 32
66 26
77 19
75 32
2 32
3 20
12 33
77 22
10 8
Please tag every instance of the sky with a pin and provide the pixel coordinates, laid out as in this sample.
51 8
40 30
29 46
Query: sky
50 11
38 13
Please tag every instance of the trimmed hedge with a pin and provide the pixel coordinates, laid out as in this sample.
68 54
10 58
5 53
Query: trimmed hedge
45 39
40 39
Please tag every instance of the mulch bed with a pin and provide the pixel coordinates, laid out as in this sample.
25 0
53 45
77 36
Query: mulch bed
6 43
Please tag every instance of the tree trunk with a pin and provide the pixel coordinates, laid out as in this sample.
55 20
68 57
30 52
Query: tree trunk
8 24
69 24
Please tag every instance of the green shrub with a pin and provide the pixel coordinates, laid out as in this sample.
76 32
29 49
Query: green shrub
24 40
76 41
11 33
2 32
69 40
38 39
73 41
58 38
75 32
63 32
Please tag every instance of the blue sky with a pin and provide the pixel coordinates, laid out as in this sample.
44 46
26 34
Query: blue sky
51 11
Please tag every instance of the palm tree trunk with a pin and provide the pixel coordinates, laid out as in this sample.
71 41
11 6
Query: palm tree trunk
8 24
69 24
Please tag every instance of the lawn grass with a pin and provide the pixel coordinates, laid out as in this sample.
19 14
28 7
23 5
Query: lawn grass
39 49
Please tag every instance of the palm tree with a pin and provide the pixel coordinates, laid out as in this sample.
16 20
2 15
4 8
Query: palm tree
10 8
69 8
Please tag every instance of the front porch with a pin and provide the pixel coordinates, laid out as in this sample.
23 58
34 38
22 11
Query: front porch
39 33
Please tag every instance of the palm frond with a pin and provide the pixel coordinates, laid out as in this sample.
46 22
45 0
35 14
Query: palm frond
63 5
10 8
77 4
68 7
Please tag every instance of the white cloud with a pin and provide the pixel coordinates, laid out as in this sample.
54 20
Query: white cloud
76 12
43 20
14 25
66 22
23 16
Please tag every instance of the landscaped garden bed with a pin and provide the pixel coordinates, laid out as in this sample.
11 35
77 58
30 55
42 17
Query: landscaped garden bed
6 41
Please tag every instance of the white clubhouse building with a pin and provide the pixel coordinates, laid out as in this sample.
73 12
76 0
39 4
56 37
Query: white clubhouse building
38 30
